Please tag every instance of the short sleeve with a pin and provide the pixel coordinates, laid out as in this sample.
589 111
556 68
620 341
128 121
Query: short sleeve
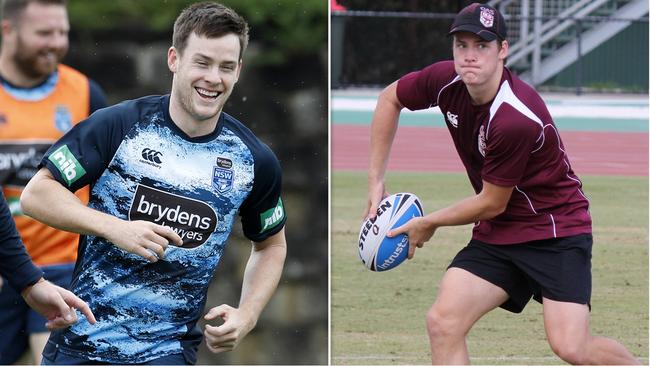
508 148
420 89
83 153
15 264
263 211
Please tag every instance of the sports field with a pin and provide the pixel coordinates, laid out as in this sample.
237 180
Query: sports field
378 318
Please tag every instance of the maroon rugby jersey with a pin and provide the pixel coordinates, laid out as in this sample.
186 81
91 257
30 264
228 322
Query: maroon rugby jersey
510 141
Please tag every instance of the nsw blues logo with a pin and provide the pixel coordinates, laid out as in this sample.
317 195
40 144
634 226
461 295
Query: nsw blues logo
62 118
223 175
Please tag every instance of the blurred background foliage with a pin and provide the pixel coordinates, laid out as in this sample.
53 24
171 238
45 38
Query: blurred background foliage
282 28
404 5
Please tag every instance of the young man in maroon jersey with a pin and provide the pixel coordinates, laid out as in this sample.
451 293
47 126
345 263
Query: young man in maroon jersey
532 233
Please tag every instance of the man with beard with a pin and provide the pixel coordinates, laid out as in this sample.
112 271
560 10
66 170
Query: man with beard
40 100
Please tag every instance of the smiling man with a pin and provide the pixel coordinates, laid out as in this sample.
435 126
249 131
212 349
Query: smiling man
169 175
532 228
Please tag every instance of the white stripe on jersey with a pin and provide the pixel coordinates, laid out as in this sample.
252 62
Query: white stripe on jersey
542 136
566 162
535 212
443 88
506 95
530 203
553 221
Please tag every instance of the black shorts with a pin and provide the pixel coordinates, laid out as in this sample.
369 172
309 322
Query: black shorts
558 269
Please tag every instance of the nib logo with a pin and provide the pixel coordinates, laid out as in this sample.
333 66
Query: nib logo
67 164
271 218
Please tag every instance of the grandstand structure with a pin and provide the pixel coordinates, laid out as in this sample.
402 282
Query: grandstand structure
556 45
546 37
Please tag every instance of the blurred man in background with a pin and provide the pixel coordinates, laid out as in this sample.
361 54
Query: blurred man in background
40 100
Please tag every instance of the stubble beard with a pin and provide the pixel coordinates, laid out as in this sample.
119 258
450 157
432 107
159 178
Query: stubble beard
28 61
189 107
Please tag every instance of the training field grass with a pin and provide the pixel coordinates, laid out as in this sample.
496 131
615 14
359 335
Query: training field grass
378 318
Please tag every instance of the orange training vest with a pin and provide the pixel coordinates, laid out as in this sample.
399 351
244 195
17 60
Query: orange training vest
27 130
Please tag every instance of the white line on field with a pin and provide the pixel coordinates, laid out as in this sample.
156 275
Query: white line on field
564 110
497 358
505 358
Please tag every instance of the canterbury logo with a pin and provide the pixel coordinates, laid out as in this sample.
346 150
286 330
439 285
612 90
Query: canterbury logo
151 155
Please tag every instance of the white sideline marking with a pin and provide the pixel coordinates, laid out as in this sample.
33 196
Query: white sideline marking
567 109
503 358
496 358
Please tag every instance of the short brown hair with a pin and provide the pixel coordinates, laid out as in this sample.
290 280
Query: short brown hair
13 9
211 20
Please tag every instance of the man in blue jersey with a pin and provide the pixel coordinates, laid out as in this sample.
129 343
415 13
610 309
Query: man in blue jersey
168 175
53 302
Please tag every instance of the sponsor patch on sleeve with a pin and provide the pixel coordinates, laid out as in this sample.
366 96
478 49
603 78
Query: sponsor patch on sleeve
67 164
271 218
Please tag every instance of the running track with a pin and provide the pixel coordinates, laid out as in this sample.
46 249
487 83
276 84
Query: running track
431 149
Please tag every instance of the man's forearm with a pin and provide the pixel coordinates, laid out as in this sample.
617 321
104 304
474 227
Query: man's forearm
382 132
489 203
466 211
46 200
262 275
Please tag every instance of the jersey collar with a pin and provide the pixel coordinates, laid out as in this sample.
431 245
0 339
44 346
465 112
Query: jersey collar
170 122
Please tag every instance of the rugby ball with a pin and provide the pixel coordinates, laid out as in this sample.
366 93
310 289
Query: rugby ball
378 252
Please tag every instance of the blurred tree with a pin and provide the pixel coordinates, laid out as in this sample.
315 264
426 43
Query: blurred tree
440 6
379 49
282 29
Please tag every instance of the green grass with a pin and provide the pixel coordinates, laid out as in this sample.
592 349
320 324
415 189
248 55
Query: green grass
387 327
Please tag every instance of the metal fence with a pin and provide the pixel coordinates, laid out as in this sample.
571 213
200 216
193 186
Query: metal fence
559 53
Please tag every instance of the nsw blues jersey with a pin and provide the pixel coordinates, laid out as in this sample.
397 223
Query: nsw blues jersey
141 166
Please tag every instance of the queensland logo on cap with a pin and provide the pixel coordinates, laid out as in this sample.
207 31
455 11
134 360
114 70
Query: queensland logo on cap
487 17
223 175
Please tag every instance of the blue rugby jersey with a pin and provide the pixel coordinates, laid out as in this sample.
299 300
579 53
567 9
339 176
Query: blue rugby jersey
141 166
